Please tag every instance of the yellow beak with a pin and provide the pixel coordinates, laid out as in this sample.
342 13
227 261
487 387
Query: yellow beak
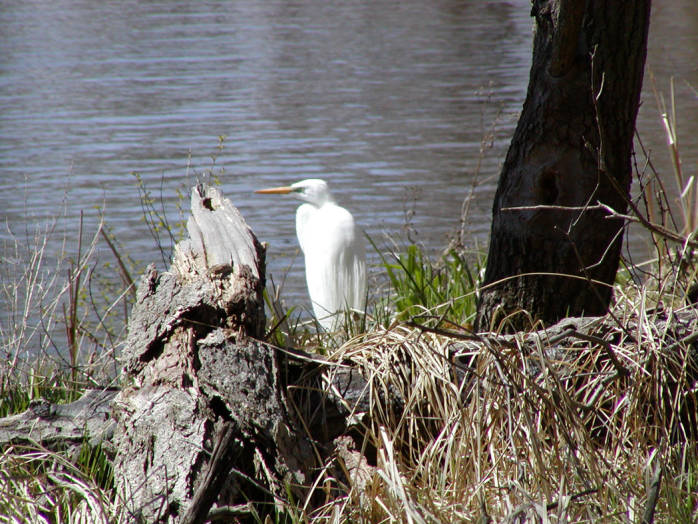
275 190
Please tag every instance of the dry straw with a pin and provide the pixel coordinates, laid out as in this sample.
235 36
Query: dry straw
558 425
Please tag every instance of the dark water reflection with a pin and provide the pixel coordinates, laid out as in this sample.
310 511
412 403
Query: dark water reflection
389 101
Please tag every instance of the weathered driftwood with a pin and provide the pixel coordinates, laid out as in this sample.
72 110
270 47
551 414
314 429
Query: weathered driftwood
194 368
62 426
326 394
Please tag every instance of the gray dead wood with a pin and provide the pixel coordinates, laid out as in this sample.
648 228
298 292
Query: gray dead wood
188 330
652 496
223 459
62 426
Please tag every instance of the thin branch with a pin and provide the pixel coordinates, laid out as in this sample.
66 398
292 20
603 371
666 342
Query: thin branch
546 207
655 228
126 276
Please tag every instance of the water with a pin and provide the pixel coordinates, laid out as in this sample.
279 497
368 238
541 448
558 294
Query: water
389 101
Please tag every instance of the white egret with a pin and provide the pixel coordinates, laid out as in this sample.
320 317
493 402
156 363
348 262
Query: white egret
335 264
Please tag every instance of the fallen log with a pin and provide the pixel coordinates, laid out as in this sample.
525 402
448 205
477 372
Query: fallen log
62 426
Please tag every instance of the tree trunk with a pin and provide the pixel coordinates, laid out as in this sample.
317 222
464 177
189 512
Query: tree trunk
570 153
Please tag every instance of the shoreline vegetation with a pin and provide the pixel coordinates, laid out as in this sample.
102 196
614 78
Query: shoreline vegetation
596 421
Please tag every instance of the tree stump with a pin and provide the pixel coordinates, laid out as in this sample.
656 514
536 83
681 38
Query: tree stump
195 364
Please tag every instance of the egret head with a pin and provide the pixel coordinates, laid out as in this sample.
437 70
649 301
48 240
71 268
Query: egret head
311 190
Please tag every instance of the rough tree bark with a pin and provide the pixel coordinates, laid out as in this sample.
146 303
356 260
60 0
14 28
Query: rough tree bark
63 426
195 365
571 152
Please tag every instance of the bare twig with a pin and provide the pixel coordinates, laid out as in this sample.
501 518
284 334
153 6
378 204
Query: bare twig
125 275
655 228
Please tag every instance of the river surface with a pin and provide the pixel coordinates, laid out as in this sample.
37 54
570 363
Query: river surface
389 101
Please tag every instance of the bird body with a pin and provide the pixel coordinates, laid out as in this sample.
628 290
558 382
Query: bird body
335 264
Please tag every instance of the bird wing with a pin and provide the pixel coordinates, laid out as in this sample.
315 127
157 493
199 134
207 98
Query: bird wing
334 259
305 224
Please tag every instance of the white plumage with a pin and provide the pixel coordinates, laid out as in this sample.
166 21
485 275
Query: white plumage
335 264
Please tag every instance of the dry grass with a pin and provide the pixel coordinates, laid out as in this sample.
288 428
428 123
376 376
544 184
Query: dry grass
60 327
532 432
59 315
39 485
535 427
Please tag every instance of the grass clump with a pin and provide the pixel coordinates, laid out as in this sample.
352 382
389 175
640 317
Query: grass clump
593 424
423 289
61 323
525 427
39 485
